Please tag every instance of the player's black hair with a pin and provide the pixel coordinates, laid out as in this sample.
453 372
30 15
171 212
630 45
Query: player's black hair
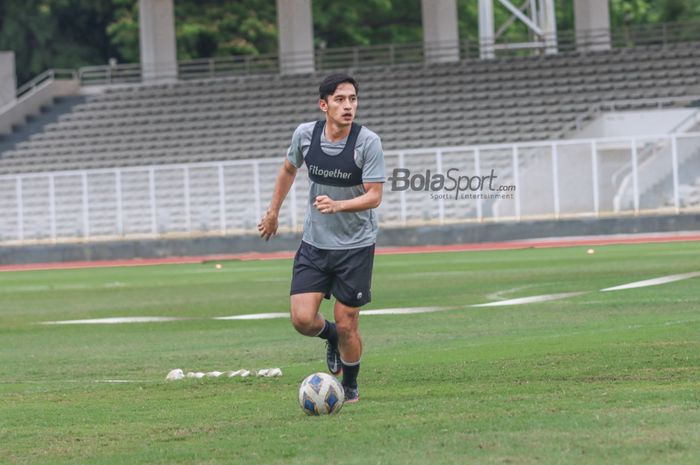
331 83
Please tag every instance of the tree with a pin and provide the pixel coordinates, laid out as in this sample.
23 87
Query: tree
72 33
203 28
54 34
123 31
342 24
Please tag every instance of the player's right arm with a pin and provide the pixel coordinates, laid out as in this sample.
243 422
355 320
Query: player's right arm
269 223
285 179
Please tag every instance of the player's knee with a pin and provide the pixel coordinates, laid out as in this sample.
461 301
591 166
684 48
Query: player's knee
346 325
303 323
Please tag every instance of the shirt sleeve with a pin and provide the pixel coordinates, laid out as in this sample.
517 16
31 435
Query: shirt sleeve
373 167
295 154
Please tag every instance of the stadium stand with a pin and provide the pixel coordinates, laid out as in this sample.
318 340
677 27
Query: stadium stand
411 106
690 194
660 179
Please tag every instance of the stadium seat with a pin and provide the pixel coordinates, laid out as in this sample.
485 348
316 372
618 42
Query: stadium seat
410 106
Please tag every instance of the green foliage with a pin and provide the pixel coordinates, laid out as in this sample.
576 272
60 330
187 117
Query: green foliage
679 10
633 12
213 28
72 33
123 31
203 29
342 24
54 33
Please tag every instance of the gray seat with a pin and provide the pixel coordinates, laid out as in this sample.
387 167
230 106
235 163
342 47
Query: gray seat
410 106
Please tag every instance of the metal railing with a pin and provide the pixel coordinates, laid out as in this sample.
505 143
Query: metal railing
381 55
27 90
660 34
47 76
399 54
110 74
538 180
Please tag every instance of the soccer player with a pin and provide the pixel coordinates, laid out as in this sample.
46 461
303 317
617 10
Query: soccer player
345 163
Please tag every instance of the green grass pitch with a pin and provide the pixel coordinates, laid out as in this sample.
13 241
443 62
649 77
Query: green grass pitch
598 378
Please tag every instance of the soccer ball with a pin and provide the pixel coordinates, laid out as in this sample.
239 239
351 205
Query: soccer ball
321 394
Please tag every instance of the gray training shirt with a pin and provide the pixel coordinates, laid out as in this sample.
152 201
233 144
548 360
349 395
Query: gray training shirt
345 230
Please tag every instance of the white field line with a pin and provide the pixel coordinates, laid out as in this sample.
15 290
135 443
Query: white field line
530 300
253 316
384 311
653 282
405 311
500 295
116 320
392 311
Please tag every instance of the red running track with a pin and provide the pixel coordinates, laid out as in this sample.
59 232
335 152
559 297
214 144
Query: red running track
508 245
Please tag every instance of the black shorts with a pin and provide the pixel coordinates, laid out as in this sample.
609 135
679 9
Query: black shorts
347 274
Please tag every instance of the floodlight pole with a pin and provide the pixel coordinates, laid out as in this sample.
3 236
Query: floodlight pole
538 15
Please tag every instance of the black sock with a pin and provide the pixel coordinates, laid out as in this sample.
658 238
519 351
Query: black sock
329 333
350 373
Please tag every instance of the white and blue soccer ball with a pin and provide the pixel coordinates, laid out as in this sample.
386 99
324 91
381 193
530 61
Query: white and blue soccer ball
321 394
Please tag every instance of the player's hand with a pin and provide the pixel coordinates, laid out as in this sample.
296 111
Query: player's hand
325 204
268 225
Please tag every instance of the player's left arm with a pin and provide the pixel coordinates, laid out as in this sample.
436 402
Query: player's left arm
370 199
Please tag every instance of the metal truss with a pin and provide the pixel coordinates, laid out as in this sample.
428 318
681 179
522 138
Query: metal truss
538 15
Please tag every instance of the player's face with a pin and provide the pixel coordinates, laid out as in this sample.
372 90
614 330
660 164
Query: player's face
342 105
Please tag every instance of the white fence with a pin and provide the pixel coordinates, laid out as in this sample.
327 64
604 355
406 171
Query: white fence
552 179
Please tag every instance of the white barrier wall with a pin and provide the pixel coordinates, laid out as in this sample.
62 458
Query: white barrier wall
640 123
553 179
30 104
